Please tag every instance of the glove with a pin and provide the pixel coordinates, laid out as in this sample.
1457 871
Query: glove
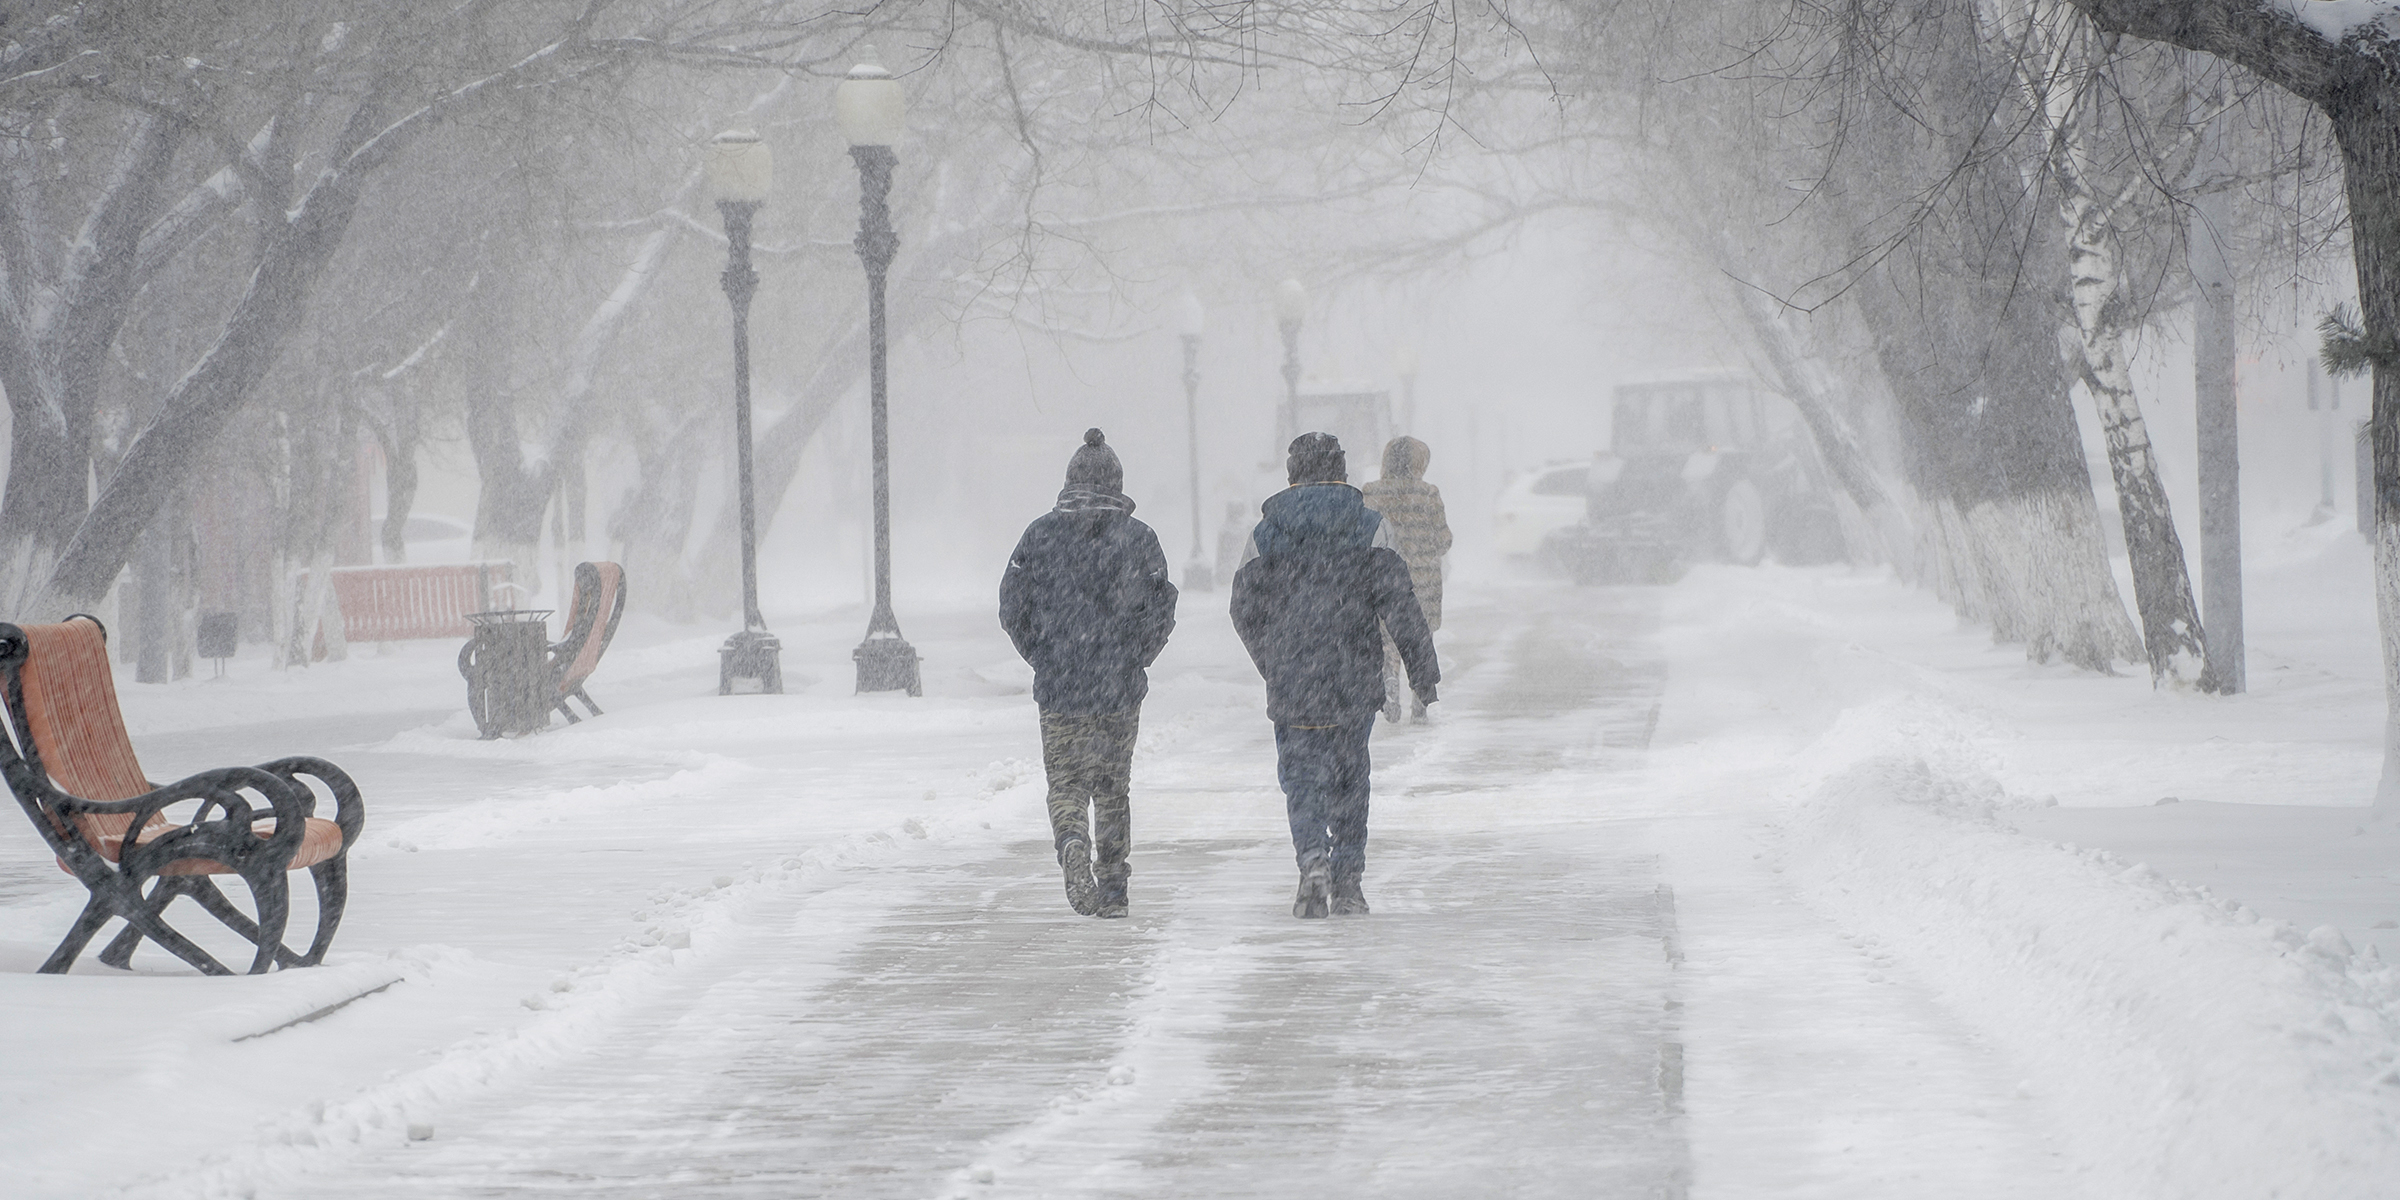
1426 697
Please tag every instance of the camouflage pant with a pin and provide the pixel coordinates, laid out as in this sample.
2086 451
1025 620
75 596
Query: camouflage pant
1090 763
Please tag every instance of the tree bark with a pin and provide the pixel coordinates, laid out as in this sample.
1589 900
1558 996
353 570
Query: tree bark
2162 585
400 441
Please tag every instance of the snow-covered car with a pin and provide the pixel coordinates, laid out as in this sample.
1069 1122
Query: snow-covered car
1705 465
1537 504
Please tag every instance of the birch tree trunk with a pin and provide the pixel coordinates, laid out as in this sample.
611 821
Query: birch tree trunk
2162 585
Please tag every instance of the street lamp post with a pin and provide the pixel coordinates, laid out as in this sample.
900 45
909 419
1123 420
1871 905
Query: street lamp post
739 170
1291 307
872 113
1404 361
1191 320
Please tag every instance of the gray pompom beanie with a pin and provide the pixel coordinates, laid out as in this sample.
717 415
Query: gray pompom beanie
1095 466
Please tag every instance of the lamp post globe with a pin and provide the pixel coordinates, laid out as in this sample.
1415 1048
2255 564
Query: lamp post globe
872 113
1190 321
740 170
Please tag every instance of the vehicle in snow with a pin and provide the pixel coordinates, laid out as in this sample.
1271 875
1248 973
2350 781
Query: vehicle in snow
1360 416
1700 465
1536 504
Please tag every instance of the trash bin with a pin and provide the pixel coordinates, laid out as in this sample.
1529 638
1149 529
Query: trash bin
507 667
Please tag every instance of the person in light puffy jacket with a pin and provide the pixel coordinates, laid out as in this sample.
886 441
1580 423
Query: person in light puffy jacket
1311 607
1419 529
1087 602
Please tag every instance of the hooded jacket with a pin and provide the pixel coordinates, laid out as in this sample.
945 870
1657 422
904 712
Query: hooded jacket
1419 528
1087 602
1311 608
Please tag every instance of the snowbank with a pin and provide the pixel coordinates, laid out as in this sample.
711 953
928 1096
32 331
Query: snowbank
2185 1045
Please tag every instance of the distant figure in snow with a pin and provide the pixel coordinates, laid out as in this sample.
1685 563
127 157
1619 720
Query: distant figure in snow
1310 606
1086 600
1412 510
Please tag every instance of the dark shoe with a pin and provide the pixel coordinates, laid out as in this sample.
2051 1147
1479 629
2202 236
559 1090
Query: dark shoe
1111 895
1316 883
1416 713
1075 860
1348 899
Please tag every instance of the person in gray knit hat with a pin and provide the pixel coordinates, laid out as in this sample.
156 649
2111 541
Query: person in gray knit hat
1087 602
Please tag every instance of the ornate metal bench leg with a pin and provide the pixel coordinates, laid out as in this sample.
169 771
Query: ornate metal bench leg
146 919
119 952
584 696
95 914
333 894
472 672
568 713
209 896
272 889
176 944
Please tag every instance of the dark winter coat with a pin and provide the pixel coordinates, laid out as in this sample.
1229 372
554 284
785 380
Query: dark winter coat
1412 508
1310 608
1087 602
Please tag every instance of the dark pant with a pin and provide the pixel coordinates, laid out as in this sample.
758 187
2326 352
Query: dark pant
1324 775
1089 760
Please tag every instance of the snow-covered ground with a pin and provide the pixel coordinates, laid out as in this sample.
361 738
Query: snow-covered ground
1750 886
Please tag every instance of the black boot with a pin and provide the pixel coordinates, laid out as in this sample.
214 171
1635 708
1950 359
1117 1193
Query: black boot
1316 881
1111 880
1075 860
1349 900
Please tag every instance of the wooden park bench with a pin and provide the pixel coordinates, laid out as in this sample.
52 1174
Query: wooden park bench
403 602
591 625
67 758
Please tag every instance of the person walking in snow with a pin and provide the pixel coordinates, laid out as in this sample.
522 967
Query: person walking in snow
1310 607
1087 602
1412 510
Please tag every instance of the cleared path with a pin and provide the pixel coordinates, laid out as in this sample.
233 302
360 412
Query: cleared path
1502 1026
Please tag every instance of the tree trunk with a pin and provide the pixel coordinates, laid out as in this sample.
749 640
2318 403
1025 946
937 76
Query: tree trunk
2369 135
1884 527
1992 445
2162 585
510 504
399 477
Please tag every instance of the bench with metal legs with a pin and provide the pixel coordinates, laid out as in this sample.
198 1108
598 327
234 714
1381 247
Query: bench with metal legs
71 766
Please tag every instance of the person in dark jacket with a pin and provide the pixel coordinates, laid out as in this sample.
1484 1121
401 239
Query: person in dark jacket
1312 608
1087 602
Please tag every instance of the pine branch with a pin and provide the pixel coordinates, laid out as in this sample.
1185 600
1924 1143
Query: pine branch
2348 349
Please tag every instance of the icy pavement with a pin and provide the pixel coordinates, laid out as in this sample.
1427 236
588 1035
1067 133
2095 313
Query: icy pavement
814 945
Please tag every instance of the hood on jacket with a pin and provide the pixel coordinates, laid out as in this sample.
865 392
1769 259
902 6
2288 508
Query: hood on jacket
1405 458
1315 458
1089 511
1315 514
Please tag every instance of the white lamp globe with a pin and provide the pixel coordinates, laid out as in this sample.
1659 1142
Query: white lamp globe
739 167
1291 302
869 105
1191 320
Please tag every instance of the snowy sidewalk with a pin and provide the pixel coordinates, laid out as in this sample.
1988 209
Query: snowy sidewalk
1631 935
